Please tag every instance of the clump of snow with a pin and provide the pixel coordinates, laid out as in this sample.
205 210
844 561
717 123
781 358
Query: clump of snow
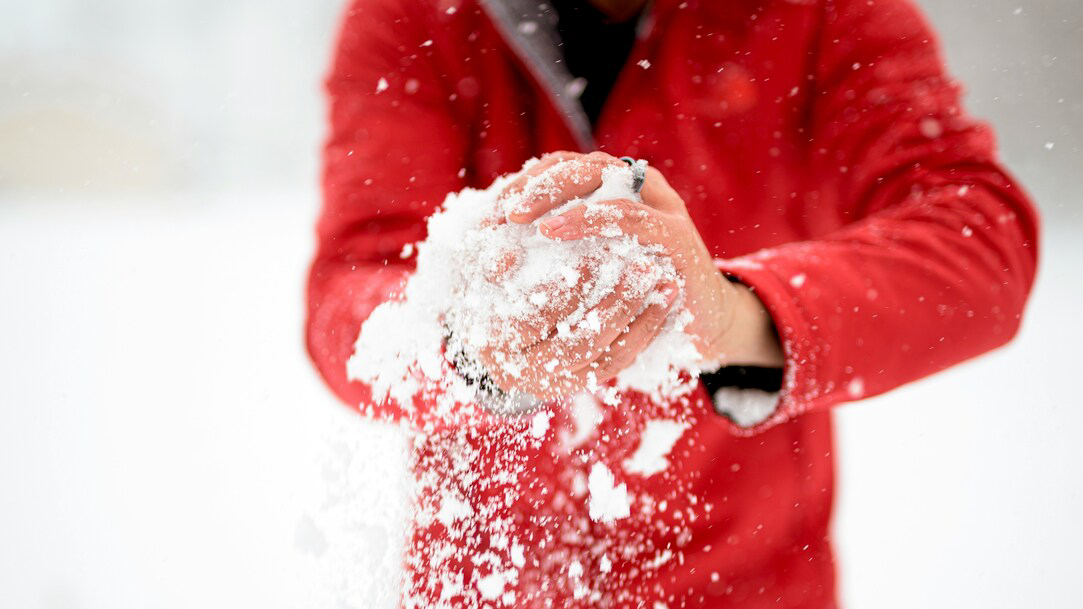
491 586
540 424
480 280
658 438
608 501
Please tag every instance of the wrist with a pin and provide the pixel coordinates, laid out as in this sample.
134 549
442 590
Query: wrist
750 337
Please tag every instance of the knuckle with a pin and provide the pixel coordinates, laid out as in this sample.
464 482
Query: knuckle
626 208
655 226
653 317
614 362
601 158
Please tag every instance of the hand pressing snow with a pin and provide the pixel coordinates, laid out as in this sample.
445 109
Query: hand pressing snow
729 326
567 281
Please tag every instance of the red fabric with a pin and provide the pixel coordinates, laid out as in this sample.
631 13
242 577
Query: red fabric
822 153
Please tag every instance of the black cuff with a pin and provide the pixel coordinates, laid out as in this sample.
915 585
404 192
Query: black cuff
743 377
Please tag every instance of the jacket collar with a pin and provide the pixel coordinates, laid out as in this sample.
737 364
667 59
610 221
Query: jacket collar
530 29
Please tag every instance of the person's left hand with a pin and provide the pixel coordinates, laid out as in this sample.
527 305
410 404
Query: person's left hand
730 325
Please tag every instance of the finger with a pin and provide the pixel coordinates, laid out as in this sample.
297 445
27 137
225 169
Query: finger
509 373
607 219
556 385
637 336
657 192
574 346
562 182
545 162
555 302
567 384
549 302
497 269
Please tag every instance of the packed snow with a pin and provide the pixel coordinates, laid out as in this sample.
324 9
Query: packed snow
480 280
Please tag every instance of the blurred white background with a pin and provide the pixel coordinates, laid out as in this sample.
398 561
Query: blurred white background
164 441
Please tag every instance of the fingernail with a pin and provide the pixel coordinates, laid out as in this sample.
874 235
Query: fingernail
553 224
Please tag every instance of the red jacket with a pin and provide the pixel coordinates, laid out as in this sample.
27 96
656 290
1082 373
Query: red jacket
822 153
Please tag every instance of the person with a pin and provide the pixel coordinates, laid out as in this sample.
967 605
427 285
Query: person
842 226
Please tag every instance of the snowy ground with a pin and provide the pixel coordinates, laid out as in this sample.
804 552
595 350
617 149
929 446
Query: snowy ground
161 432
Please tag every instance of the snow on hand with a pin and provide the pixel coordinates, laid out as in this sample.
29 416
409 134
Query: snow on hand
463 299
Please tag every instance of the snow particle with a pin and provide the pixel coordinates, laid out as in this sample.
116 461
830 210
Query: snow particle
540 424
608 501
451 509
655 443
518 557
856 387
1049 145
491 586
528 27
381 85
798 280
643 63
605 565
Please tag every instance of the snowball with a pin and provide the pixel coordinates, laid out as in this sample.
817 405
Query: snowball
480 280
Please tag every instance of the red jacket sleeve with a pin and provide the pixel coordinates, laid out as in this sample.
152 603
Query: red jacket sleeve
939 246
393 153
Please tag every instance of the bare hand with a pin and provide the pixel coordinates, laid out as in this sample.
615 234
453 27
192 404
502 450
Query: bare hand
730 325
